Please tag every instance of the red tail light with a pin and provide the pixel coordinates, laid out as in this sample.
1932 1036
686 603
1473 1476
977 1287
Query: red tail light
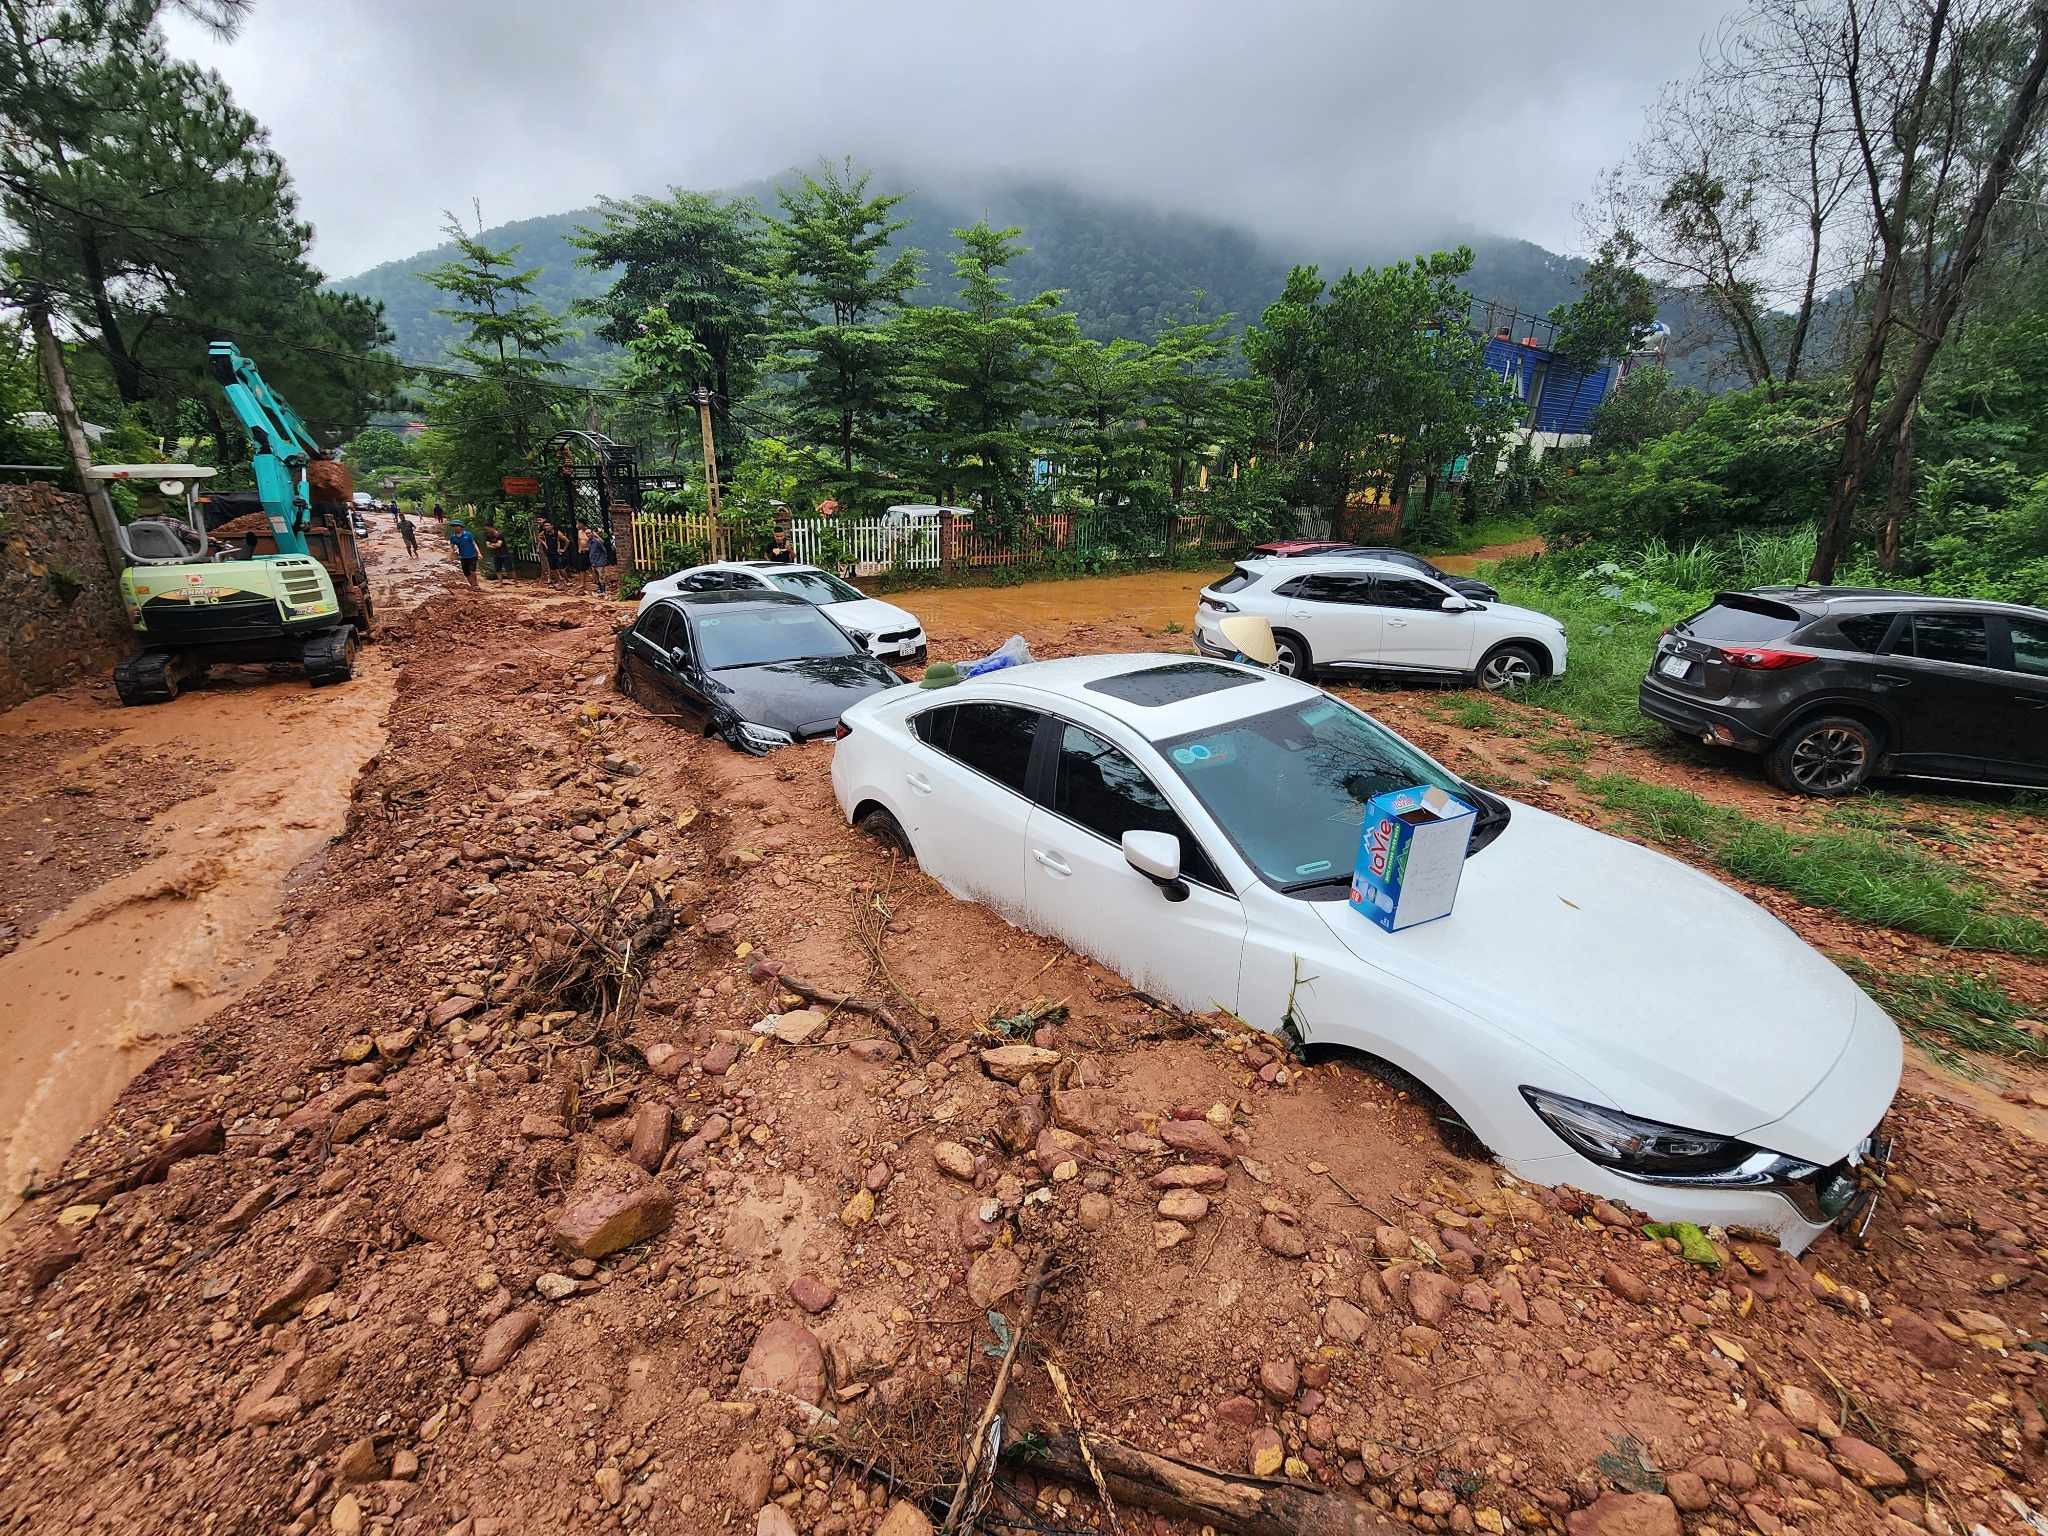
841 731
1759 660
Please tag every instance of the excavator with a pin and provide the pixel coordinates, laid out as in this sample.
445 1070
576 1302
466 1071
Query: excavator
269 576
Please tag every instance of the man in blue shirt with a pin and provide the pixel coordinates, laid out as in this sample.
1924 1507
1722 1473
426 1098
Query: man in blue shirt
465 550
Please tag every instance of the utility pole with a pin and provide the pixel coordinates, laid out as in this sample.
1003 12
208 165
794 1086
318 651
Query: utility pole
51 357
702 398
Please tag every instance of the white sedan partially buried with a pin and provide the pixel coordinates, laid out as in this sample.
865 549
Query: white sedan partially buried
1596 1013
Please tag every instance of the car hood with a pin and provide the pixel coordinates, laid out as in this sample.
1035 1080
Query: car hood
798 696
871 616
1668 992
1522 616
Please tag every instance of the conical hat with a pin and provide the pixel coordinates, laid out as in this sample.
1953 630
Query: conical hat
1252 635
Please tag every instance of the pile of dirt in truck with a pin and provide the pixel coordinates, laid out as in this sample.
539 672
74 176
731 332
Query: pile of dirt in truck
624 1143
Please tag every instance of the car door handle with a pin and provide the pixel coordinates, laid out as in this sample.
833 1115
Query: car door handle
1397 623
1052 861
918 782
1893 680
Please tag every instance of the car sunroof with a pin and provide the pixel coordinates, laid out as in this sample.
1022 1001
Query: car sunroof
1171 683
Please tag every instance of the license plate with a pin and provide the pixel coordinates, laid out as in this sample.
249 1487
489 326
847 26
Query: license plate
1674 666
905 648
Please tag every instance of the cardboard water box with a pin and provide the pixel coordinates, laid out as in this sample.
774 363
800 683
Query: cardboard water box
1411 853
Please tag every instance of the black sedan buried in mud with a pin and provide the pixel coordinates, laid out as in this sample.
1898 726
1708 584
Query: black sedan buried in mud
759 669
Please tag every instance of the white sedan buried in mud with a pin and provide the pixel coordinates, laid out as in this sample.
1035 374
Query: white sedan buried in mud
1595 1013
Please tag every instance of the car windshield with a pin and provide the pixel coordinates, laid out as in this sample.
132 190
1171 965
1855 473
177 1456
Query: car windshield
756 637
814 586
1289 787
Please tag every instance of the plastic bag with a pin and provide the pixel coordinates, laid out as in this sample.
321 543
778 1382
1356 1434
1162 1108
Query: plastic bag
1013 652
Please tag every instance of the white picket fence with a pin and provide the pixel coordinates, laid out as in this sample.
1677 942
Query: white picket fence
869 544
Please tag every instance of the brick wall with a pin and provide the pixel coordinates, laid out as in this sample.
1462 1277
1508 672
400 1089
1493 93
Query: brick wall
60 612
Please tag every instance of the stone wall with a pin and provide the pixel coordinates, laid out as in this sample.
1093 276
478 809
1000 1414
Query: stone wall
60 611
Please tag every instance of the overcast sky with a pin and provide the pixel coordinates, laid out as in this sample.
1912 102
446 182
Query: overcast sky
1314 119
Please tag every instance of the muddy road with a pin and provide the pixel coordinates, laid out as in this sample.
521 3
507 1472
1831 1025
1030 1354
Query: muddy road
492 1210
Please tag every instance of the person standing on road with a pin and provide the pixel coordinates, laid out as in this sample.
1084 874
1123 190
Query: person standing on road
410 534
465 551
439 515
548 539
501 557
597 552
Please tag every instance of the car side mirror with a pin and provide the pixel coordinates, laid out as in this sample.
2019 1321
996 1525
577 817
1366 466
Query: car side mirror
1456 604
1156 856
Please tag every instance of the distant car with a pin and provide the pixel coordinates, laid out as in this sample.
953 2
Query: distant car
1596 1013
1344 611
1295 549
362 500
758 669
883 629
1838 685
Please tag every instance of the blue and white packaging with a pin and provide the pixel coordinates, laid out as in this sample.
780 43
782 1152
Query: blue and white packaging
1411 854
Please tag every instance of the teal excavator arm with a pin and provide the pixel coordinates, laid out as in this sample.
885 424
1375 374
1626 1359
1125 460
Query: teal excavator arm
282 442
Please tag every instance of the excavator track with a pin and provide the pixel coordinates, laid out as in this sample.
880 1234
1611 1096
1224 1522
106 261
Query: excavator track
331 657
151 678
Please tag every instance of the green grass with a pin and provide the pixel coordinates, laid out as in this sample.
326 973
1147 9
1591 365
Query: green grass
1607 651
1475 712
1949 1011
1863 874
1484 535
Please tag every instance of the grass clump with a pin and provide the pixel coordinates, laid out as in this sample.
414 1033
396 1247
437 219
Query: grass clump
1943 1012
1858 873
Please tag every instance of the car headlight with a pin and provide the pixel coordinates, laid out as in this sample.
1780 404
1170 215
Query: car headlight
765 735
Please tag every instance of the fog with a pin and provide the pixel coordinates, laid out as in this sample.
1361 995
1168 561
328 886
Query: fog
1314 121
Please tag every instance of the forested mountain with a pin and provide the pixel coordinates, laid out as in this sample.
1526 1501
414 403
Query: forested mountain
1126 269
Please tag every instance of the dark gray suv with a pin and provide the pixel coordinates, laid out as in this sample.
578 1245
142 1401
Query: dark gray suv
1836 685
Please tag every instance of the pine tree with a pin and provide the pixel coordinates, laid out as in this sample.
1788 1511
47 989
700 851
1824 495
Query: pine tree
487 426
985 367
835 292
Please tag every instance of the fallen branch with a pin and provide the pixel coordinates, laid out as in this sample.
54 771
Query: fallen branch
874 1008
957 1506
1185 1490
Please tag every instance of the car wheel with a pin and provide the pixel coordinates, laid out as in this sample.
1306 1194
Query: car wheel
885 829
1833 755
622 681
1291 655
1509 668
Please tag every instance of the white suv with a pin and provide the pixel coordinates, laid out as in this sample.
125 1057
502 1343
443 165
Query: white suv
1372 615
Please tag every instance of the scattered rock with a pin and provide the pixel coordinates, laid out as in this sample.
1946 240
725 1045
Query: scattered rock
1018 1125
346 1518
1094 1211
1688 1490
502 1340
1344 1323
1927 1343
1268 1451
904 1519
785 1358
613 1205
773 1520
1280 1380
812 1294
1011 1063
954 1159
1190 1176
652 1124
750 1476
1198 1139
1626 1514
800 1026
1278 1234
1430 1295
310 1279
994 1275
1169 1234
1867 1464
359 1462
555 1287
1184 1205
50 1261
1625 1283
860 1209
1804 1411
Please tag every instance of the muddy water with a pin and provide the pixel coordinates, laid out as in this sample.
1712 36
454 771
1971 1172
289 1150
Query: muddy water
102 987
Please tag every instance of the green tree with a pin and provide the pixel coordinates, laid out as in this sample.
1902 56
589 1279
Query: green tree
1192 403
835 290
1644 405
1613 312
705 262
984 368
379 448
1096 394
489 424
664 367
